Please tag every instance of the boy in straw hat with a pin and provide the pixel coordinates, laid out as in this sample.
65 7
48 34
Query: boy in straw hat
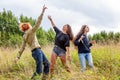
30 38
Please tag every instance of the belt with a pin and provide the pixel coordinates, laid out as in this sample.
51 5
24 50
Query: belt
35 49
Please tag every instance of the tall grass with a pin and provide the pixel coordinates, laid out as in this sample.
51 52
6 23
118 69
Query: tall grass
106 60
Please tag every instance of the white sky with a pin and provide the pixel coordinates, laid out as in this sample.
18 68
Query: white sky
97 14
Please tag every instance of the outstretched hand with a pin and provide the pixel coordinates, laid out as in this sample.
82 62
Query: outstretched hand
49 17
44 8
53 24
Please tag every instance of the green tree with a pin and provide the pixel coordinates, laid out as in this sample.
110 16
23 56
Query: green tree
8 26
111 35
50 35
26 19
117 37
104 35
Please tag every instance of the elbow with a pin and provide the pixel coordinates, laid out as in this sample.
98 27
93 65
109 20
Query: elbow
75 43
90 44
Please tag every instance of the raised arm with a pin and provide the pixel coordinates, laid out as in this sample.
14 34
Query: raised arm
54 26
52 23
39 19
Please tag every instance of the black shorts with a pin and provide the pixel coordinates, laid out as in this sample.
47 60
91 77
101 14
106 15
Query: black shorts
58 51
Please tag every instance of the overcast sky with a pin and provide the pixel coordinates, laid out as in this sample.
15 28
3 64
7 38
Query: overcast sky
97 14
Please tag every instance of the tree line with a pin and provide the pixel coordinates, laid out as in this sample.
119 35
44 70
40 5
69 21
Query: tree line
104 37
11 36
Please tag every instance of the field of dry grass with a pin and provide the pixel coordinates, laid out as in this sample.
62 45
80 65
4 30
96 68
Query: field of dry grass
106 59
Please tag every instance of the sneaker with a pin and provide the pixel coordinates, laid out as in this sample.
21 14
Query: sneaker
33 76
82 70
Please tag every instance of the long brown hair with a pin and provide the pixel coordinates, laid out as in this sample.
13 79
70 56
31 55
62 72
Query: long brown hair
69 32
82 30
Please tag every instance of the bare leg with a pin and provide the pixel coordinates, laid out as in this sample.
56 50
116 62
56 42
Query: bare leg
63 60
52 63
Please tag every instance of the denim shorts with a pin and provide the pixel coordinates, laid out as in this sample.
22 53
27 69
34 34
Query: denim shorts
58 51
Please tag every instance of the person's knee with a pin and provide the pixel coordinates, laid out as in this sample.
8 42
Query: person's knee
91 65
46 63
53 61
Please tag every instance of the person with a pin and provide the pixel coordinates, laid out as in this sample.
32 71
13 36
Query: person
61 45
83 44
30 38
